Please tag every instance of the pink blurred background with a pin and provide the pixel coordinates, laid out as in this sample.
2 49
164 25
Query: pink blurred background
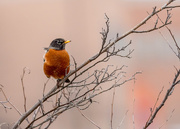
28 26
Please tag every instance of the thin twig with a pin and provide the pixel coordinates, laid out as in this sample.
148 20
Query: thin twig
122 119
22 82
133 117
153 109
8 101
178 48
88 118
167 119
112 106
45 86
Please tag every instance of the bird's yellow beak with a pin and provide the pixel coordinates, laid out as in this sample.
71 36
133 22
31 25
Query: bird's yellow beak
67 41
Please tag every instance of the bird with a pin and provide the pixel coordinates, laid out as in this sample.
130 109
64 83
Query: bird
57 60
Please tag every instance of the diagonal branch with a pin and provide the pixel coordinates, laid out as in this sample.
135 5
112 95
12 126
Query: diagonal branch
87 118
168 93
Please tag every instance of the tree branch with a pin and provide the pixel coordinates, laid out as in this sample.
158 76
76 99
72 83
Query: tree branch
168 93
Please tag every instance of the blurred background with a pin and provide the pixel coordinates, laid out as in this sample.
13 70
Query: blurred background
28 26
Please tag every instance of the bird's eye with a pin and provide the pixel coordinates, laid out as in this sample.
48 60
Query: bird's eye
58 42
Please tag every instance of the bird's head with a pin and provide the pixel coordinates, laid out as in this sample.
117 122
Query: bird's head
58 44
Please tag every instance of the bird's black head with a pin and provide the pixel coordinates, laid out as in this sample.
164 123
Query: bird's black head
58 44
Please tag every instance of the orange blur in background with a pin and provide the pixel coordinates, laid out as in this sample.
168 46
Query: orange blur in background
26 27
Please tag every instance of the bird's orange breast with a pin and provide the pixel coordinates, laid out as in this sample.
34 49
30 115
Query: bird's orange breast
56 63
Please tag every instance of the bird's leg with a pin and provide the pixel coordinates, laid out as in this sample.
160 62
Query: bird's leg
63 91
58 80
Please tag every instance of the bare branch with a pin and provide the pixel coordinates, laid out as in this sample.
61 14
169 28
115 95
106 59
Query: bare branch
8 101
153 29
75 65
45 86
112 106
153 109
22 82
123 119
4 102
4 106
87 118
169 2
167 119
178 48
104 34
168 93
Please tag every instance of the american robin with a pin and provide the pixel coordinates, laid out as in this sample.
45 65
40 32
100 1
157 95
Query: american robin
56 60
